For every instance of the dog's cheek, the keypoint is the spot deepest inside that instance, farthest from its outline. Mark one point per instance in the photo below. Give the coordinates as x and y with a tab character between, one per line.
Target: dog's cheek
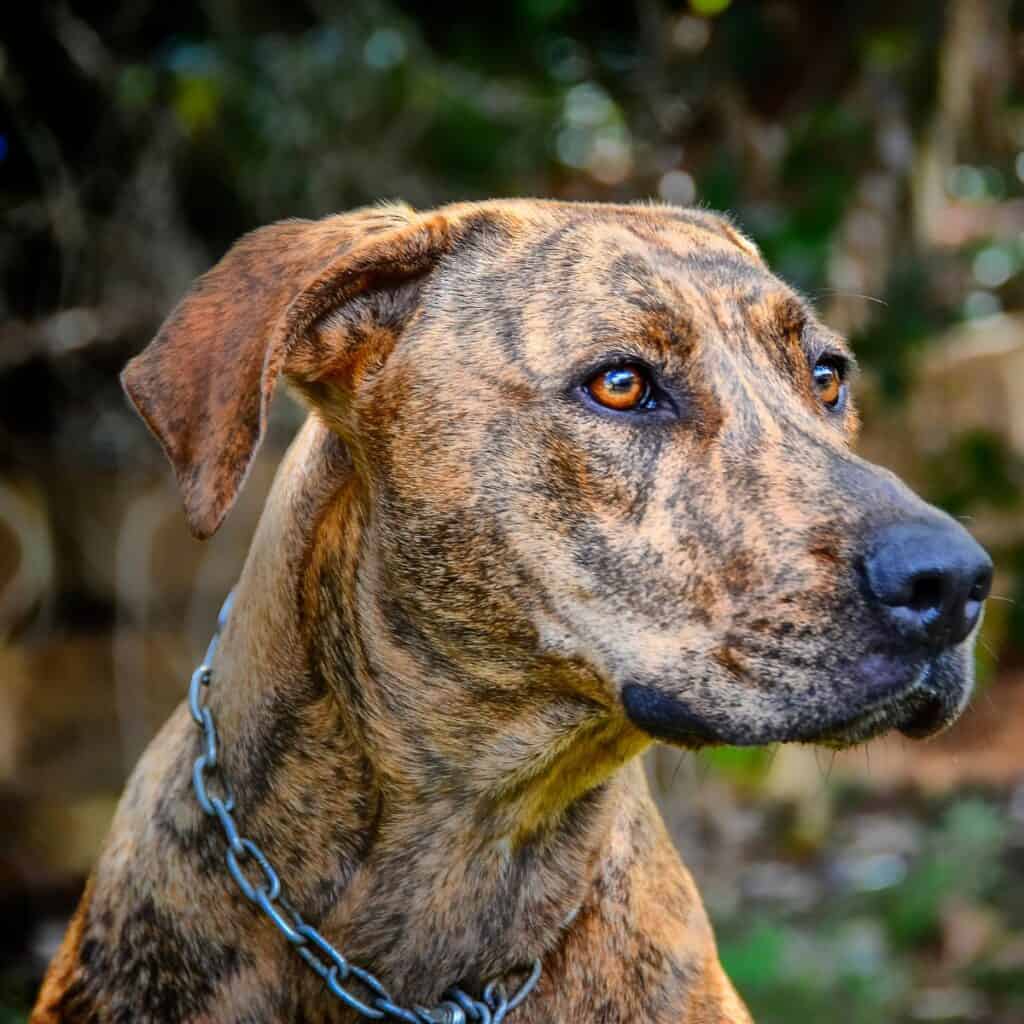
454	589
606	596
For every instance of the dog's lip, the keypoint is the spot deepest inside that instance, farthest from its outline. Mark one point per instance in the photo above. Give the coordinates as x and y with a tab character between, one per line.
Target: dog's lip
932	709
917	710
665	717
917	699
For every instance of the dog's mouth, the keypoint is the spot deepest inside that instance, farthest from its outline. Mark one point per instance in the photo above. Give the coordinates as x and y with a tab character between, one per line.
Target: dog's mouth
915	699
923	708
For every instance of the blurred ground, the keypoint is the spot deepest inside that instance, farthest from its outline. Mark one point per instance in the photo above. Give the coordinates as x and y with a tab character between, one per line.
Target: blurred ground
874	150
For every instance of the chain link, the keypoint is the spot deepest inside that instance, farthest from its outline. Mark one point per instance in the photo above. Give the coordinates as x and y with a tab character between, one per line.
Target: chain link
260	884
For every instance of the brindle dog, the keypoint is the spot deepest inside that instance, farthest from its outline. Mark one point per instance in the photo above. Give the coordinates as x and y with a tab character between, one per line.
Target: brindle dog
576	477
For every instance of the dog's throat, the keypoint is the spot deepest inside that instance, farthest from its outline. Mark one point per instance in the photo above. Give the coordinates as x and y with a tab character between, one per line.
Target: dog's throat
568	781
257	878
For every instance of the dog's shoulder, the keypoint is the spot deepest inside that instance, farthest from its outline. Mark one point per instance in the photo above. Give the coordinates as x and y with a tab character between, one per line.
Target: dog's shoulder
63	996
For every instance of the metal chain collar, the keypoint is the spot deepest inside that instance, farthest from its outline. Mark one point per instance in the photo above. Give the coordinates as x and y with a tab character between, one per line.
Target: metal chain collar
333	968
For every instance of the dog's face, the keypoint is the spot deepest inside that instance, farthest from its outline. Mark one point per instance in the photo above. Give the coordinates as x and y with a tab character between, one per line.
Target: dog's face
616	440
607	451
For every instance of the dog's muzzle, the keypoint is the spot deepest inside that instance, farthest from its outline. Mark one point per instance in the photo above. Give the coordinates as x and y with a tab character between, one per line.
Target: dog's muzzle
924	581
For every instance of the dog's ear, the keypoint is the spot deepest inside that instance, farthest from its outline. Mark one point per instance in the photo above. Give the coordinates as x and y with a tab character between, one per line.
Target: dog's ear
205	382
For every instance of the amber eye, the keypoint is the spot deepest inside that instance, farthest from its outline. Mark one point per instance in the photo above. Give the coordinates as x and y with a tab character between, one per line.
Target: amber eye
622	388
828	382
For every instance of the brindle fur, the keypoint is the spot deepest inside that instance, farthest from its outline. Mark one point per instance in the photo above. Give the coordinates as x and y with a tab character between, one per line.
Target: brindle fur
460	572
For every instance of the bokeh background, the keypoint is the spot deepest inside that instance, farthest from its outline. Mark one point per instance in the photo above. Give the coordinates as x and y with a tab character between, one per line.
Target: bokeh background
875	150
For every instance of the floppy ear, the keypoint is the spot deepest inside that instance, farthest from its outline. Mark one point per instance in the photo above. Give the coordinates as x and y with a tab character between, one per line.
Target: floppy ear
204	384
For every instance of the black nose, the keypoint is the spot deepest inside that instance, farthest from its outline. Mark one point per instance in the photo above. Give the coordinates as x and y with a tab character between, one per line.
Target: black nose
930	578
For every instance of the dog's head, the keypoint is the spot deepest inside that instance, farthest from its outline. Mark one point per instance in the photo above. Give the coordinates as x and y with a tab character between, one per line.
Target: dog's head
603	446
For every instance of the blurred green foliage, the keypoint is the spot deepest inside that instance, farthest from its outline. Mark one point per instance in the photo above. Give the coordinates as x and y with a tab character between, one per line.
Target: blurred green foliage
868	952
979	469
745	767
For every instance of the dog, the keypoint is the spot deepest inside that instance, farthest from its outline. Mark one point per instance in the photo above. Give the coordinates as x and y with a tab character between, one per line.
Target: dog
576	477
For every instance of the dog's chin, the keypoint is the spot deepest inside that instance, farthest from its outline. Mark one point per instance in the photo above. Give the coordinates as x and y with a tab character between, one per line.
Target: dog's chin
929	703
918	711
915	698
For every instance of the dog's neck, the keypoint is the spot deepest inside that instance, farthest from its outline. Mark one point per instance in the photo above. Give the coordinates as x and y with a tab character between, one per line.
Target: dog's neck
441	825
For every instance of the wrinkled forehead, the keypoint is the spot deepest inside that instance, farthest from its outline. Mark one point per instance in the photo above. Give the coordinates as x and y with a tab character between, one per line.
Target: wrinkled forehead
575	284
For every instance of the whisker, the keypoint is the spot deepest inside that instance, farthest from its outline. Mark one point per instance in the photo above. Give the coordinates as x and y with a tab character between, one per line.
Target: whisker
679	764
703	767
831	765
851	295
989	649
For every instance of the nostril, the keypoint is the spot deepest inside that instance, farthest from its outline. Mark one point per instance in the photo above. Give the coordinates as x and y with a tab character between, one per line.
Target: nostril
927	592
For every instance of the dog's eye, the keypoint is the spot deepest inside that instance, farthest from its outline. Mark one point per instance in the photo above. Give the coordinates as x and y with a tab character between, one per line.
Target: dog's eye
622	388
828	382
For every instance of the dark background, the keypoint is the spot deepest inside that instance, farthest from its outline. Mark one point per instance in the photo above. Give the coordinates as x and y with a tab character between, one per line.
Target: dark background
876	153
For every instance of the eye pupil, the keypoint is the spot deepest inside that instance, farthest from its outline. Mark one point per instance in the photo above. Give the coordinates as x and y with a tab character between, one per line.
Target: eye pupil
622	388
828	382
620	382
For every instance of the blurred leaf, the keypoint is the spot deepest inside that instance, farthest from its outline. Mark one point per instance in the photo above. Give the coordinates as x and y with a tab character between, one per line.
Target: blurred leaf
744	766
962	861
887	50
136	88
755	960
548	10
913	911
197	102
709	8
